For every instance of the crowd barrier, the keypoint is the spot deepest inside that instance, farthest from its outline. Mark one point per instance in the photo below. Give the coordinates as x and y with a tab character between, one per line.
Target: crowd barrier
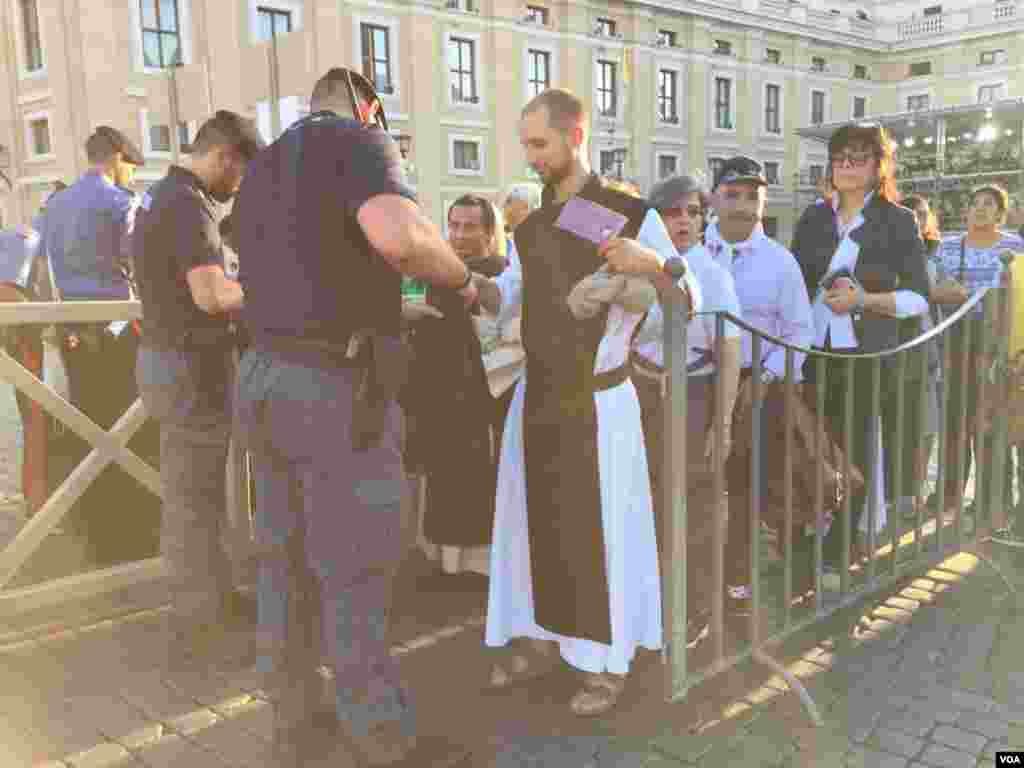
904	547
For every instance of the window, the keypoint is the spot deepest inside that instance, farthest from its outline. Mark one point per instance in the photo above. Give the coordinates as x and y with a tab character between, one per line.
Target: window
667	108
771	172
161	35
990	93
605	28
918	102
462	68
723	48
773	56
920	68
537	14
933	10
465	155
39	136
818	64
860	107
666	38
273	22
33	47
607	91
860	72
816	173
377	56
723	103
991	58
185	138
817	107
539	71
714	167
771	226
160	138
608	162
668	165
772	123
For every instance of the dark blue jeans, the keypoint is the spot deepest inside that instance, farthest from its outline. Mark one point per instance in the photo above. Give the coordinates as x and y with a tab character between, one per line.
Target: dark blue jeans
329	528
195	429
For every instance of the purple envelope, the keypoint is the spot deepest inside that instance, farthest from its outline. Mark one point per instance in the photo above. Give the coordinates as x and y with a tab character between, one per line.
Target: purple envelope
590	221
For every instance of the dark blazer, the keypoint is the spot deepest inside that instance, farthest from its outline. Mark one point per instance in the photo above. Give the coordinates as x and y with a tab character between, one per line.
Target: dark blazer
892	257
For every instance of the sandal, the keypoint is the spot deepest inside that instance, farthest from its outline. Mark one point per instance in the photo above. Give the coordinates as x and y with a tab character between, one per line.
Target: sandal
528	664
600	693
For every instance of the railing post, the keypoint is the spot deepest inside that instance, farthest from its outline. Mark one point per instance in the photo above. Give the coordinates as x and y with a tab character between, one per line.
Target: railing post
875	459
757	396
676	309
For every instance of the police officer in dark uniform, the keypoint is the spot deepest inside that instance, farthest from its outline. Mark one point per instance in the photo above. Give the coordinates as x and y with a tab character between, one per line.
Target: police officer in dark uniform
86	232
185	367
326	227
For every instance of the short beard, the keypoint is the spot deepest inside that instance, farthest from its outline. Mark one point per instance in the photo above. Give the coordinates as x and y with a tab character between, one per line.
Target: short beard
736	231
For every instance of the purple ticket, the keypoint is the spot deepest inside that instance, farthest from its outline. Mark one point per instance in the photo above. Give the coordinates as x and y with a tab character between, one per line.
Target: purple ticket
590	221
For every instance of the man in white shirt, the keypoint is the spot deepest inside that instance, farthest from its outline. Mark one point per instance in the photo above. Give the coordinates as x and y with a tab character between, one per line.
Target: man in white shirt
773	297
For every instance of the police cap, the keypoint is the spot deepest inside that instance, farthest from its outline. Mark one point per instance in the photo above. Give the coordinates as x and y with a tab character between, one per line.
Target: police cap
232	129
105	142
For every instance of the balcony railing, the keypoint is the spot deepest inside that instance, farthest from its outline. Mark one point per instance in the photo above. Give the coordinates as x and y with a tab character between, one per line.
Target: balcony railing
928	25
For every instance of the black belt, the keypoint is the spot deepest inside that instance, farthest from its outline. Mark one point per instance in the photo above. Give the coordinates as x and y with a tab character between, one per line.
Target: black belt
315	353
206	337
611	379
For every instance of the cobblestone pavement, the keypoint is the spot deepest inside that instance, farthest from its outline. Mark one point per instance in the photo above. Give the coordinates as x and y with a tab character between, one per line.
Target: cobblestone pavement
929	674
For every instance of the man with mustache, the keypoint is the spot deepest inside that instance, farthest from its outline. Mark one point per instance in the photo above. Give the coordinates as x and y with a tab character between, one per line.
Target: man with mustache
773	297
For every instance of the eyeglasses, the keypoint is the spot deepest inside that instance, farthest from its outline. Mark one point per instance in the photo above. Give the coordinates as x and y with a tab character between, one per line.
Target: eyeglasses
853	159
693	211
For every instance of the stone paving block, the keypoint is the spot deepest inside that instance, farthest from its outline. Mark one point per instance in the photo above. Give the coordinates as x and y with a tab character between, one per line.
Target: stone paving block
257	718
106	755
205	688
175	752
915	723
959	739
972	701
943	757
872	759
897	742
234	745
989	753
149	695
109	716
193	722
938	710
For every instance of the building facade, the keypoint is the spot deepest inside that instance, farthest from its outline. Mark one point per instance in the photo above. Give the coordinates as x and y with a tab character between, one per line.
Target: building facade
672	86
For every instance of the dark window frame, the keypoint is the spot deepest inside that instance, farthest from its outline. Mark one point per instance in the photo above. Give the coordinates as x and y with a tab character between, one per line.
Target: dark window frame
817	107
770	225
818	64
607	88
723	48
860	72
31	37
470	161
275	15
668	103
160	33
667	38
674	163
919	102
47	144
371	58
723	104
815	173
534	82
460	73
920	68
772	112
164	143
773	178
864	103
606	27
773	55
612	166
714	166
990	58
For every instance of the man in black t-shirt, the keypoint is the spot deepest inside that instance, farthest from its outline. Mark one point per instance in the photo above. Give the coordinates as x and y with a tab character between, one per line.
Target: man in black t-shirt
326	227
184	366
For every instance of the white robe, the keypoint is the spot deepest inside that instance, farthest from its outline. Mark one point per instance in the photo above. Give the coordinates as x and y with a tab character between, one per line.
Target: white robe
631	553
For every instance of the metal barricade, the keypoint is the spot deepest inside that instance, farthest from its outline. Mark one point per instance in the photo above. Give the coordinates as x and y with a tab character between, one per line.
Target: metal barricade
108	447
907	546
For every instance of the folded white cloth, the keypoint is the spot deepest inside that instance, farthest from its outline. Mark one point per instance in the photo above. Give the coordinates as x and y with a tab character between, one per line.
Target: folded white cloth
634	294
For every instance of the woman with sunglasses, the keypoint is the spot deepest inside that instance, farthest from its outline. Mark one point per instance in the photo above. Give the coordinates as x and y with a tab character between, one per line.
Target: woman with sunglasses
681	203
864	263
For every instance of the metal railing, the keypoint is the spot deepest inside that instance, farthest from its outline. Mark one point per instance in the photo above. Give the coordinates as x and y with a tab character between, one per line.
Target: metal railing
907	546
108	447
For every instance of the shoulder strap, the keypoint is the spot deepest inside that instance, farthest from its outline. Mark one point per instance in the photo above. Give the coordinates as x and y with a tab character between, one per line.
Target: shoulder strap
963	257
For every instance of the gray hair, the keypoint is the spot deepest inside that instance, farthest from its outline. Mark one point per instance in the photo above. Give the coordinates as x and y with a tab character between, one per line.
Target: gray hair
667	191
526	192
